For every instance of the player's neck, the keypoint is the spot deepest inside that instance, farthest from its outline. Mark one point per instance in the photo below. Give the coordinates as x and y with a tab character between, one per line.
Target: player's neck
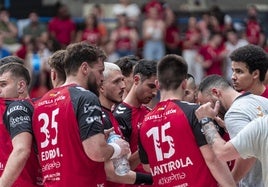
132	100
170	95
24	96
75	80
105	102
257	88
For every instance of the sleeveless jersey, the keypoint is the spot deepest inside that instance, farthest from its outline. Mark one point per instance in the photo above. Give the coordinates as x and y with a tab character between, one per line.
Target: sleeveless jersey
92	36
123	41
65	117
170	139
253	31
16	119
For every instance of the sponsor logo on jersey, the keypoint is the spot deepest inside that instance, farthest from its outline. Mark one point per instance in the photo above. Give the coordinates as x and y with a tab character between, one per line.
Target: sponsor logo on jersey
17	108
161	108
171	166
51	165
91	119
120	110
51	154
90	108
19	120
55	94
173	177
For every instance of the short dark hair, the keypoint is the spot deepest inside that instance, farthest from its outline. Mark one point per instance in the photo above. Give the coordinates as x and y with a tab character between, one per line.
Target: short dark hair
213	81
254	57
171	71
9	59
127	64
77	53
17	70
145	68
56	61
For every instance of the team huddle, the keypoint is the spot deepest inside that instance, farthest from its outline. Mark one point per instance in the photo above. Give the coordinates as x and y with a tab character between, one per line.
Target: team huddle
173	133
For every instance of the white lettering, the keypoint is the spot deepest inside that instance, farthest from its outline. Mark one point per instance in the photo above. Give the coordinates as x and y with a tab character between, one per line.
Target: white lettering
51	165
61	97
158	116
15	108
45	102
171	166
52	177
91	119
51	154
19	120
171	111
88	107
173	177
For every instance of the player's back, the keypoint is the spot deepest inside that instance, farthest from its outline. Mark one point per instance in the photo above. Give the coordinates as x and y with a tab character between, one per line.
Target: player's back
59	118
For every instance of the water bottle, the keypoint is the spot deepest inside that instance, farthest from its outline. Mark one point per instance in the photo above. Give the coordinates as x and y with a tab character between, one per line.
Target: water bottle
121	164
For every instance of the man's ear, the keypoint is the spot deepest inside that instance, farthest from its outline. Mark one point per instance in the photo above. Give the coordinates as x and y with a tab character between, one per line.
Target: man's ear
256	74
101	89
216	92
22	87
84	68
136	79
184	84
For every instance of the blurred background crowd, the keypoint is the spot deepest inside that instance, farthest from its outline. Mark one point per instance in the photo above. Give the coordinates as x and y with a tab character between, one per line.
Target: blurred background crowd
203	35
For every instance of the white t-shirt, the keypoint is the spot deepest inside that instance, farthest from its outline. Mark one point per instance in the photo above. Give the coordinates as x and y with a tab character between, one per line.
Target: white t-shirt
243	110
132	10
252	141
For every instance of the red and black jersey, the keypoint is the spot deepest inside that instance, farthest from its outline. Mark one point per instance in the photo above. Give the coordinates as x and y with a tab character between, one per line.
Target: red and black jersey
109	121
170	137
16	119
65	117
130	119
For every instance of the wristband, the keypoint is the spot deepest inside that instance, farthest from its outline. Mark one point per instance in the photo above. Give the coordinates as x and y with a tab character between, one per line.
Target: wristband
143	178
117	150
205	120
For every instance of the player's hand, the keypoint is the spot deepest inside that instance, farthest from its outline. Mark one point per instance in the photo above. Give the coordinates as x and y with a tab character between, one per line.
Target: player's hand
220	122
107	132
124	145
206	110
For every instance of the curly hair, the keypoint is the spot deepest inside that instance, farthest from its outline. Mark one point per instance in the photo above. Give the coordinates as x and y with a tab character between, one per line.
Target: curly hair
254	57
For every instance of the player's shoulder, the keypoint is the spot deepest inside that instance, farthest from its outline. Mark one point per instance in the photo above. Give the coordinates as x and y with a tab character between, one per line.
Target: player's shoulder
186	105
24	106
81	92
122	109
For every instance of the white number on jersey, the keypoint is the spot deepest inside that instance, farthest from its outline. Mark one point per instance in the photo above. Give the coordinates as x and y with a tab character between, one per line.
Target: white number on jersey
155	132
44	129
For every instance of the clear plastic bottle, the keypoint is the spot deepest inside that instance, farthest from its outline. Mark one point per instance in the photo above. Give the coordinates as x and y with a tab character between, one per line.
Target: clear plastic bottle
121	164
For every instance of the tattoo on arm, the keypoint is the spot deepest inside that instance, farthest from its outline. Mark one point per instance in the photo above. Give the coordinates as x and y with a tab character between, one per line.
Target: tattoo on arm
210	133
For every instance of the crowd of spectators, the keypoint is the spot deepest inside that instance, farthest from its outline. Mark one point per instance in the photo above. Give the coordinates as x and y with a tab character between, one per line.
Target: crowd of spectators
149	32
